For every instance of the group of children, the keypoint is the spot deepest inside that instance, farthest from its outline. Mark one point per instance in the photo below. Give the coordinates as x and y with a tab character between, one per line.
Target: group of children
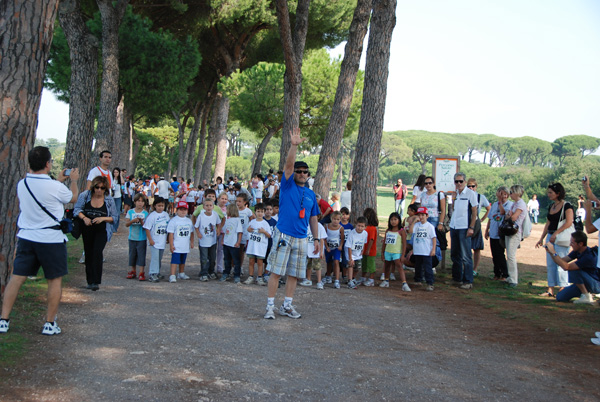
227	231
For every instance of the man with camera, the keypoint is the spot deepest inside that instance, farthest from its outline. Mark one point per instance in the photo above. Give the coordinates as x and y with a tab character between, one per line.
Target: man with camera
41	241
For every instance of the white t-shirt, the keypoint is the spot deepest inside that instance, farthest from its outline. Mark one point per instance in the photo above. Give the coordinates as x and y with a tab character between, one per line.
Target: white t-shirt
310	246
98	171
245	219
163	188
182	229
417	193
356	243
207	225
116	189
157	225
258	242
260	186
232	227
334	237
483	202
191	196
423	233
52	195
346	200
463	203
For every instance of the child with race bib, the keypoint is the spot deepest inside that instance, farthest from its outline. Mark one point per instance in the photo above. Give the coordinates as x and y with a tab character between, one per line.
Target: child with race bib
208	228
156	232
391	251
334	245
232	238
180	232
134	220
260	232
354	249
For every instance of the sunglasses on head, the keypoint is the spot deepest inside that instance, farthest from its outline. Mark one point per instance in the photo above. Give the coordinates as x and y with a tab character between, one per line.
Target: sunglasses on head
458	181
300	171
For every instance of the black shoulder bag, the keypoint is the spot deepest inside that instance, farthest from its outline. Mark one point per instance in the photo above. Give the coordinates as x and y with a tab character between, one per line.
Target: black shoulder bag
65	225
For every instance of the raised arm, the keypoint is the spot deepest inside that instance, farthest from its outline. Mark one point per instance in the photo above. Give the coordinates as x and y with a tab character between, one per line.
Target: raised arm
291	156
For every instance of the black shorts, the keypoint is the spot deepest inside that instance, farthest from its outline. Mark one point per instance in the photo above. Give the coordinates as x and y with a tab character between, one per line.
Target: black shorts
127	200
52	257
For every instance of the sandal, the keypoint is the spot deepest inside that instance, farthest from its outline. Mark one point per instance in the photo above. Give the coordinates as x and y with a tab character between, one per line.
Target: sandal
547	294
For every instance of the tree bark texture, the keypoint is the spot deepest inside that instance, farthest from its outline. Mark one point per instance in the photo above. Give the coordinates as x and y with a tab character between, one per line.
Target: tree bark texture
180	137
83	52
343	97
135	150
260	152
202	142
368	145
212	137
221	135
121	149
111	15
293	51
26	29
190	147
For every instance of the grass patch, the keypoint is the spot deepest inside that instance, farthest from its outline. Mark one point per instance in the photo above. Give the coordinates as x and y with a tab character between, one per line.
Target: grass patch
29	310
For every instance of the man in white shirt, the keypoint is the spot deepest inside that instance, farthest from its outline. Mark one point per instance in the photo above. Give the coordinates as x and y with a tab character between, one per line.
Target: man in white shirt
40	240
462	226
164	188
101	169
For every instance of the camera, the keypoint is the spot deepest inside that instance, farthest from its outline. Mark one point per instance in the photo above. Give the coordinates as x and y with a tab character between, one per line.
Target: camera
67	172
584	178
594	204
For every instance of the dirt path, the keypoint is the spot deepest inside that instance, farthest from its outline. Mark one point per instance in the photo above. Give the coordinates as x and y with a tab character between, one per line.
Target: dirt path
208	341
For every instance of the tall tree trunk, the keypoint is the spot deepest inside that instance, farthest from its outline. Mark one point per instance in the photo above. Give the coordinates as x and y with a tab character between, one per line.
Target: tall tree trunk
180	137
260	152
340	172
111	13
202	143
169	156
26	29
368	145
121	150
343	96
212	138
221	135
190	148
135	150
83	51
293	51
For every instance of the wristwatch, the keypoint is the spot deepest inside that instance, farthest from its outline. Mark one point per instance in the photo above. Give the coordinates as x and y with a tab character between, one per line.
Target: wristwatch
555	254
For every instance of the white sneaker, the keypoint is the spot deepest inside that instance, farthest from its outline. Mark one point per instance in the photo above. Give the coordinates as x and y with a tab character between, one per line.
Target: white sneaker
384	284
336	285
360	281
172	279
429	288
382	277
328	279
82	259
320	285
405	287
182	275
585	298
306	282
597	334
4	326
249	281
289	311
596	341
392	277
260	281
270	313
51	328
370	282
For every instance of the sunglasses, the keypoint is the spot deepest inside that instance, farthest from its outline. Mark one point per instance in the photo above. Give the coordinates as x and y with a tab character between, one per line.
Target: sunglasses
428	182
471	186
458	181
301	171
100	188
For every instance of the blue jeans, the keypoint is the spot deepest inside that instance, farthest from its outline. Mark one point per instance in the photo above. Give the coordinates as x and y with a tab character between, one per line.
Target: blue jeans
118	206
155	259
556	275
231	255
208	257
461	254
400	207
423	264
578	277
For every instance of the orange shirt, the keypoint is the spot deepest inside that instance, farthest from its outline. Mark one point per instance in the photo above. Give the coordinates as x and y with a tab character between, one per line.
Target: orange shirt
372	236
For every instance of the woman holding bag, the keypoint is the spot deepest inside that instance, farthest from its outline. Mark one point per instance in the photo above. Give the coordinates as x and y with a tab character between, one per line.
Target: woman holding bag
517	214
559	219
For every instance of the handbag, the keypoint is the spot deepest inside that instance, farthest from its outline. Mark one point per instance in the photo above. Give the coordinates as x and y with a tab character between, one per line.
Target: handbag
65	225
563	238
508	227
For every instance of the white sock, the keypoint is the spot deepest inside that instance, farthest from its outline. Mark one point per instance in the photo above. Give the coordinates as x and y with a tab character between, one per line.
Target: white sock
270	301
287	301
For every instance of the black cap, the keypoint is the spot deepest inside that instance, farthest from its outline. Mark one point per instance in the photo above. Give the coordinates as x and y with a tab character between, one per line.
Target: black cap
300	164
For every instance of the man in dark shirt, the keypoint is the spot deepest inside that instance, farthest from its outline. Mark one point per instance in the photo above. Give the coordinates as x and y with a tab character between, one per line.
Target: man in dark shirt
581	264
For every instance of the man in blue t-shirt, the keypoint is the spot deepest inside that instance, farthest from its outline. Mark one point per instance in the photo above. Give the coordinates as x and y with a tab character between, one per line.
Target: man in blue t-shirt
298	209
581	263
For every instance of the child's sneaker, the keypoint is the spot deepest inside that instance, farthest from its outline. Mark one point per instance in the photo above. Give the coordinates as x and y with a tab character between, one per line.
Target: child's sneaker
382	277
384	284
51	328
153	278
182	275
392	277
328	279
319	285
336	285
290	311
224	278
213	276
142	277
351	284
270	313
429	288
360	281
172	279
249	281
370	282
131	275
4	324
203	278
260	281
236	279
306	282
405	287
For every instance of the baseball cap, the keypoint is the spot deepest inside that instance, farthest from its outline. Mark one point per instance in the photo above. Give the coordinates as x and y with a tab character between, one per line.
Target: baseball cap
422	210
182	204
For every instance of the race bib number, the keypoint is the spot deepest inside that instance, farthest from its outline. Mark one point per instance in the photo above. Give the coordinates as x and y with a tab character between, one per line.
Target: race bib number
357	247
390	239
333	245
255	237
421	234
161	230
183	231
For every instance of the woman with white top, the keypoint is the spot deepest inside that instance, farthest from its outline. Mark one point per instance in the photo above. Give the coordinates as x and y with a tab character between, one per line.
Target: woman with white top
517	214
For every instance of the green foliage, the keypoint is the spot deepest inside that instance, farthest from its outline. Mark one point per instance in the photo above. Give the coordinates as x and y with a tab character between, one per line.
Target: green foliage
573	145
57	150
152	157
238	166
58	71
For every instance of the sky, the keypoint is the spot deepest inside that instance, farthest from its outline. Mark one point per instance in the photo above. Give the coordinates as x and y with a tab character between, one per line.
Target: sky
506	67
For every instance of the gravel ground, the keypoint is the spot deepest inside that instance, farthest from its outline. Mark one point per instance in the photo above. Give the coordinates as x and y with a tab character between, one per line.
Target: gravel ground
208	341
